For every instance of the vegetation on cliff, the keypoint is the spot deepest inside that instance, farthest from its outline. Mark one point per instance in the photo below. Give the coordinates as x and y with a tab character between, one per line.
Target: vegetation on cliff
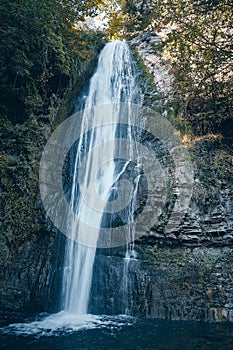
197	41
41	52
43	59
44	54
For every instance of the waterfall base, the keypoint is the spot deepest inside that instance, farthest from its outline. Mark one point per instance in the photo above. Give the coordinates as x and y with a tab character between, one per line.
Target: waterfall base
166	283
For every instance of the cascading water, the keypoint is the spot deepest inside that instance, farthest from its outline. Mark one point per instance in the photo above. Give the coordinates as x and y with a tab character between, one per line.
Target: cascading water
113	82
97	179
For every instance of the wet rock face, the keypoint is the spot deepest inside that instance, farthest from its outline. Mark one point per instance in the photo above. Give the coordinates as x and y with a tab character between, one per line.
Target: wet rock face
186	274
209	218
168	283
31	282
31	251
183	275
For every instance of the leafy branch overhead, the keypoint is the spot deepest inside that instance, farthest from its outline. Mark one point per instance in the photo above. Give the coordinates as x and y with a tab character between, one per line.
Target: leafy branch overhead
40	49
198	43
197	38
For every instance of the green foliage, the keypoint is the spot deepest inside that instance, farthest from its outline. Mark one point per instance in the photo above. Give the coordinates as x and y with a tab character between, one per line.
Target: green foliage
213	159
127	18
43	58
198	44
39	51
19	161
197	38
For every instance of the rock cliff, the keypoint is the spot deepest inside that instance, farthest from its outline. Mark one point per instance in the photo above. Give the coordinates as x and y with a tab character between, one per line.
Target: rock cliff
185	274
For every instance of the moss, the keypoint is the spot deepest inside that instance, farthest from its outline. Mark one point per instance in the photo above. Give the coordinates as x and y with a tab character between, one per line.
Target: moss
146	81
213	170
23	217
165	256
201	277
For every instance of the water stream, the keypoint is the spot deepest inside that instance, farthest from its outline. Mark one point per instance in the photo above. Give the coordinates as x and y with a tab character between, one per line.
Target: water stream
113	82
73	328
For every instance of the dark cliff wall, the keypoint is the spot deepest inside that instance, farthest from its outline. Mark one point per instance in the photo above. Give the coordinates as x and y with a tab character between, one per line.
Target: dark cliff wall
169	283
31	250
186	274
183	275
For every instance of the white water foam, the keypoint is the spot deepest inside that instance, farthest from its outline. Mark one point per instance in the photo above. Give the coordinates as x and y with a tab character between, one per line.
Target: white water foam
65	322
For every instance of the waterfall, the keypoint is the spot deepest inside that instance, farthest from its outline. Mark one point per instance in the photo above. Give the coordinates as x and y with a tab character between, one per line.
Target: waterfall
113	82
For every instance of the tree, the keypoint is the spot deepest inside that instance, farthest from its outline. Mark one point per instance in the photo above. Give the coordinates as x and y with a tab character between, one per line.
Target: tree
40	48
198	43
128	17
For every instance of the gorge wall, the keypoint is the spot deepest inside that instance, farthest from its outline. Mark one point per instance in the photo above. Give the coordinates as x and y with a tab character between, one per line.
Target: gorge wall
31	249
183	275
186	274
